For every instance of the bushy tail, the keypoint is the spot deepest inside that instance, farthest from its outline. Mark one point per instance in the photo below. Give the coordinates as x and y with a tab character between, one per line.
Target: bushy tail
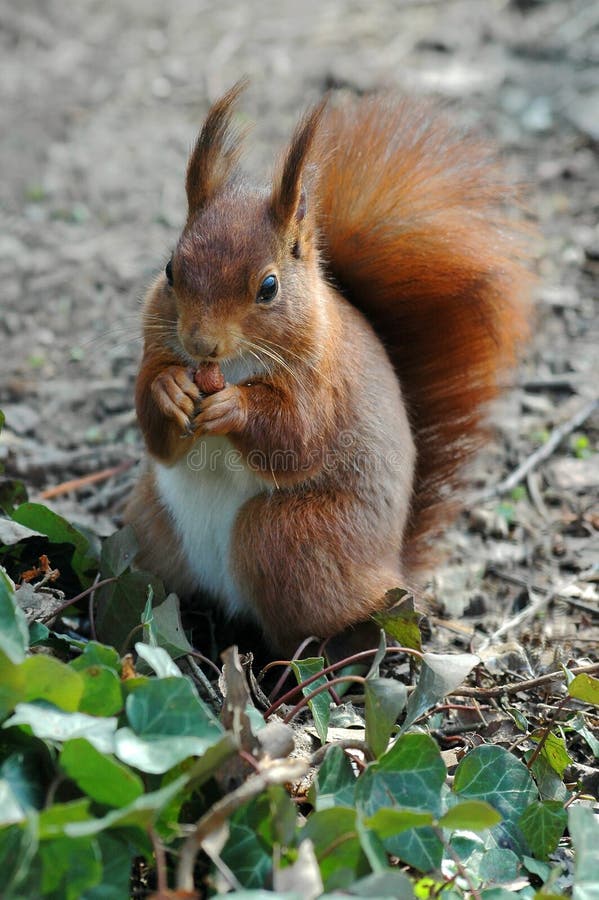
415	234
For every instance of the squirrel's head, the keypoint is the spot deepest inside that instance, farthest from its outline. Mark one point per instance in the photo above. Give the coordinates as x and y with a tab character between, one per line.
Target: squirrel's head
244	275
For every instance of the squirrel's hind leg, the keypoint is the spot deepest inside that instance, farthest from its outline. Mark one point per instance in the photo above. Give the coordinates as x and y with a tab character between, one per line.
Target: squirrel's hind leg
311	565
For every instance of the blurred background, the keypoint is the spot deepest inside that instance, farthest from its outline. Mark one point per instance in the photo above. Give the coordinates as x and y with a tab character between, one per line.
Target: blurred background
101	102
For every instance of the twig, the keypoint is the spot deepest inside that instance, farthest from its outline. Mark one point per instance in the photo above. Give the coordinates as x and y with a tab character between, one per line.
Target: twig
279	772
130	637
534	492
542	453
207	662
526	685
273	694
161	867
546	732
551	382
89	590
342	679
204	681
460	868
54	460
557	594
90	606
109	495
341	663
528	612
581	605
532	609
67	487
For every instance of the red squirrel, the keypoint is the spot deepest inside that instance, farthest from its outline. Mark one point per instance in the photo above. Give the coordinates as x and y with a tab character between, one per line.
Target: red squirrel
352	320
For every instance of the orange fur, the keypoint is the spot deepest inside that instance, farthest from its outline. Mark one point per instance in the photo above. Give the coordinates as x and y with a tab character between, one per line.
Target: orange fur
376	387
414	233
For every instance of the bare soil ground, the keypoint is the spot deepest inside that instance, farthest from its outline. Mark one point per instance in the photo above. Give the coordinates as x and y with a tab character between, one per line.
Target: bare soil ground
101	102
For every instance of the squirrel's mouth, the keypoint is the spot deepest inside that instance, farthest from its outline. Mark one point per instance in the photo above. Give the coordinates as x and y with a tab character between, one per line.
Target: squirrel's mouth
240	368
206	349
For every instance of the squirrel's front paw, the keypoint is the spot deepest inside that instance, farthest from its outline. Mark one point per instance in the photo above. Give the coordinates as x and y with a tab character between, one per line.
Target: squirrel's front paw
222	413
176	395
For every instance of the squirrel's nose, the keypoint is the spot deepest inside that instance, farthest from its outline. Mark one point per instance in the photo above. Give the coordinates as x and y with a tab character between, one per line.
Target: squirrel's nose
202	345
206	347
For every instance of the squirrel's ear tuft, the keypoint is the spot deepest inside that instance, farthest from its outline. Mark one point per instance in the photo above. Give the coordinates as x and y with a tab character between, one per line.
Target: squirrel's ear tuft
216	151
288	198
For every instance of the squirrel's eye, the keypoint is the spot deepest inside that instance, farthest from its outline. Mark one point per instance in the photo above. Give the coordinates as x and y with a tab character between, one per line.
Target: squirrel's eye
168	271
268	289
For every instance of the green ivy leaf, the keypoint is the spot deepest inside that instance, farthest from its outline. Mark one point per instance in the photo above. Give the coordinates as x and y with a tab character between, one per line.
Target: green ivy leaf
320	705
440	674
586	688
12	534
118	552
389	883
384	700
340	856
38	634
49	723
12	810
170	706
543	824
372	845
498	865
584	830
159	660
102	691
470	815
549	783
494	775
117	856
48	679
169	628
96	654
54	819
388	822
59	531
99	776
466	844
21	773
120	606
282	815
518	717
541	869
554	751
19	861
168	722
70	866
375	666
579	725
141	814
12	685
14	634
248	851
156	755
400	621
335	782
410	775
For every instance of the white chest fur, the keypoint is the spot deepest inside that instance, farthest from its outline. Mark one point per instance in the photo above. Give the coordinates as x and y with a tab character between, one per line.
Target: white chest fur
203	493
